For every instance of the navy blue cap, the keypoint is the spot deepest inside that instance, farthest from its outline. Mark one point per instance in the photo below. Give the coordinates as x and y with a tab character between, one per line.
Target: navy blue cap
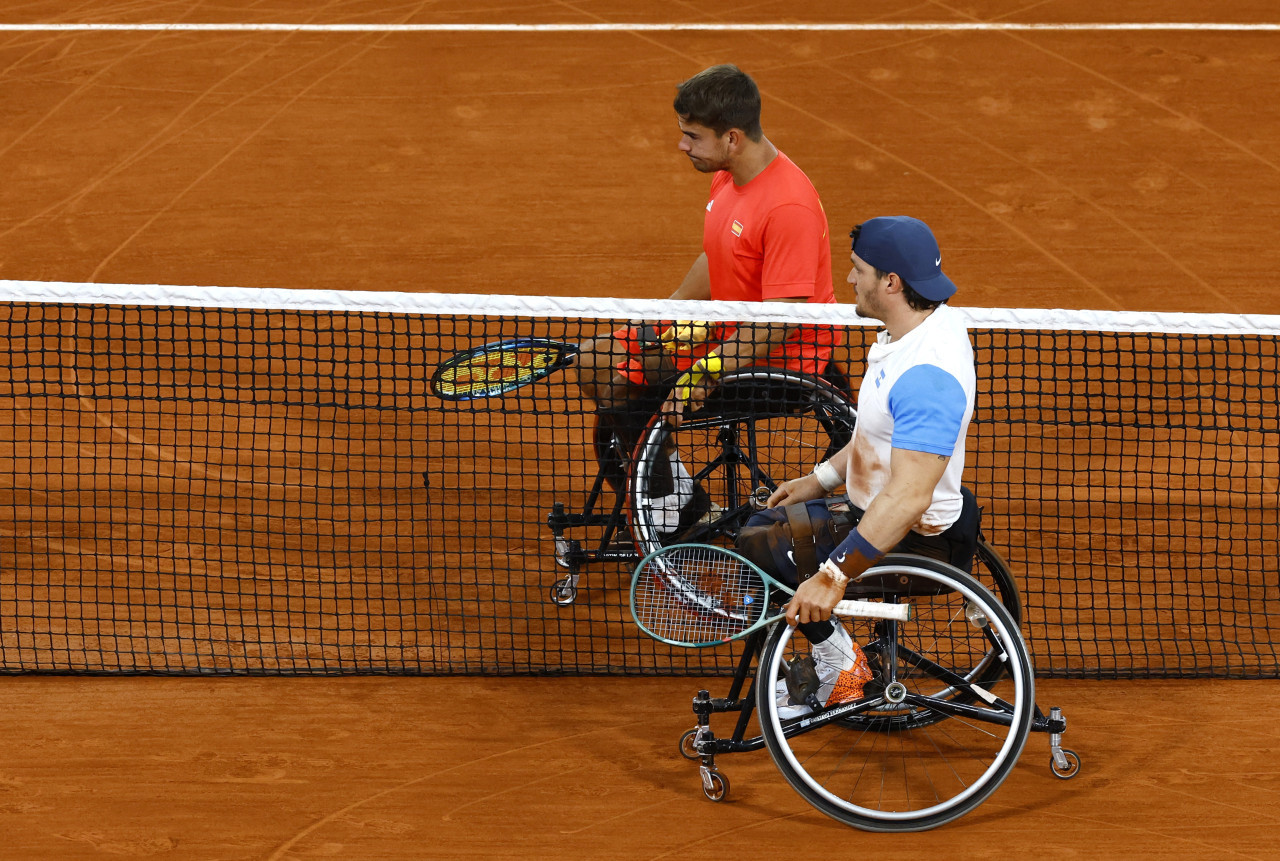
905	245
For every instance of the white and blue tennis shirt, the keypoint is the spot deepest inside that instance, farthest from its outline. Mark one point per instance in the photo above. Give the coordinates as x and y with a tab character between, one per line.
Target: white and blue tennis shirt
917	394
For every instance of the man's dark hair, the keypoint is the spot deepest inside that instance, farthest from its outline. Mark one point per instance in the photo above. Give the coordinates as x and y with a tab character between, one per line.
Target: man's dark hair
721	98
915	300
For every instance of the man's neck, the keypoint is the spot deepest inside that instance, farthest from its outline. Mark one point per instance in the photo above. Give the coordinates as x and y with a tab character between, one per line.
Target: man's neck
906	322
754	158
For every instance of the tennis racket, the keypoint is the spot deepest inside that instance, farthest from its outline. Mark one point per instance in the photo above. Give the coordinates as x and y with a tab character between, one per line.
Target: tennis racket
497	368
698	595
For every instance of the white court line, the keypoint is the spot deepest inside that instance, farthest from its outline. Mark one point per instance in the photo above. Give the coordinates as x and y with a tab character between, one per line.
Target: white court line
955	26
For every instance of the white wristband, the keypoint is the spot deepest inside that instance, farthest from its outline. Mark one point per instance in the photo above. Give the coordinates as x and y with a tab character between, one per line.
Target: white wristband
839	579
827	475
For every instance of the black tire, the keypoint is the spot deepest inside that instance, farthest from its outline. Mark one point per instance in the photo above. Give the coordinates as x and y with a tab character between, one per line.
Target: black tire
879	765
994	573
688	744
717	787
1072	767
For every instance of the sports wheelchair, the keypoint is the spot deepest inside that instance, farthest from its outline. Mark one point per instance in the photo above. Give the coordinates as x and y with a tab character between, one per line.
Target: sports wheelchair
951	702
937	729
753	430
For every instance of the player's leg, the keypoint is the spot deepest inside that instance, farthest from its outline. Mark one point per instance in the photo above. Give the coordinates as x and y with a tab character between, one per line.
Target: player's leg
788	543
617	374
842	666
629	376
753	429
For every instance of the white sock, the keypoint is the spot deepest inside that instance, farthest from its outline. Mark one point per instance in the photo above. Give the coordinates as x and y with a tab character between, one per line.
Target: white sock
666	509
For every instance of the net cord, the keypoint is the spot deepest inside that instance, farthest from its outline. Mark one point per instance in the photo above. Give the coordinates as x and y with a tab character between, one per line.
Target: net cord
484	305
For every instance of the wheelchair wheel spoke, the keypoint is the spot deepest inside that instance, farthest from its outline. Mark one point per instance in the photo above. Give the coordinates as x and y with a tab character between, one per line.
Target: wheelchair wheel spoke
927	743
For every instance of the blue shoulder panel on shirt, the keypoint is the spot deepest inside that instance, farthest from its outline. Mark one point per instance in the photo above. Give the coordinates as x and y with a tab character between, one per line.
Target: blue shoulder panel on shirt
927	405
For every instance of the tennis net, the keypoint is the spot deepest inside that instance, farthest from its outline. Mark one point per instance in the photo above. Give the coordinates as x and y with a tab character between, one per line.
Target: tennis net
227	481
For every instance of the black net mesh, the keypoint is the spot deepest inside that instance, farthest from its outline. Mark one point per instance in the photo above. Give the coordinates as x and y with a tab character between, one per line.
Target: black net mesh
252	490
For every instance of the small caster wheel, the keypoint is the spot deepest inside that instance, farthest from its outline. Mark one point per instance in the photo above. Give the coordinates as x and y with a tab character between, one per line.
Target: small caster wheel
563	593
715	786
688	744
1068	770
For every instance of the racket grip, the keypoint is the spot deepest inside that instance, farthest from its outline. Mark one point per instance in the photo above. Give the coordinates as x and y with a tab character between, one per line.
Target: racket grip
873	610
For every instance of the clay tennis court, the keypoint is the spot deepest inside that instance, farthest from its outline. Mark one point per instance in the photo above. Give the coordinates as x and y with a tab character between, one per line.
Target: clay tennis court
1118	170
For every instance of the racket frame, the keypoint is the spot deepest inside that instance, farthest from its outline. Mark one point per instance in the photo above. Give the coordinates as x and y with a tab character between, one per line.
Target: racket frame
852	608
562	354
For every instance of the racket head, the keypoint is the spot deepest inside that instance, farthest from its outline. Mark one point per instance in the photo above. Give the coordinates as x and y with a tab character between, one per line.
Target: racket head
499	367
698	595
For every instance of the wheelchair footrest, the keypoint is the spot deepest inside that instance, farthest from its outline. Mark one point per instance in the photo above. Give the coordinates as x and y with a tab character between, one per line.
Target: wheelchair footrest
560	520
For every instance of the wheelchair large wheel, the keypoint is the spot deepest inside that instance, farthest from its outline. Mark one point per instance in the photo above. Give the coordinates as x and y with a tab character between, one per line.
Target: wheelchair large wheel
993	572
752	432
990	570
924	744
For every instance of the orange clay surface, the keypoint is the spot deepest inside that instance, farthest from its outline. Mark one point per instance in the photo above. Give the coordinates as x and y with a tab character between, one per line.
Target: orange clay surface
1129	170
445	768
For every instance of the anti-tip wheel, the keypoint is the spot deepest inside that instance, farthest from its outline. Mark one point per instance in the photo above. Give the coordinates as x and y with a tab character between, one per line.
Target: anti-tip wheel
688	746
1072	767
715	786
563	593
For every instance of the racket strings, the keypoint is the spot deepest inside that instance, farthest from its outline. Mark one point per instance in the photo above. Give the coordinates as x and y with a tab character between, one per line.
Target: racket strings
498	370
695	596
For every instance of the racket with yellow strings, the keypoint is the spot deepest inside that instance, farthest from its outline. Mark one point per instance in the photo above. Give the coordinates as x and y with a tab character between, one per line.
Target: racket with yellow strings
500	367
503	366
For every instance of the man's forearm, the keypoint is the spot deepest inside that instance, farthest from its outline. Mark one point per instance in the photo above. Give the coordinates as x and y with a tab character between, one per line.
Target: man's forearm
697	281
895	509
752	342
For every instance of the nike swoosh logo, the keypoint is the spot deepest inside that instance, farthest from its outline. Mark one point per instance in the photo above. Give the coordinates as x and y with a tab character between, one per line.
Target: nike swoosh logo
938	262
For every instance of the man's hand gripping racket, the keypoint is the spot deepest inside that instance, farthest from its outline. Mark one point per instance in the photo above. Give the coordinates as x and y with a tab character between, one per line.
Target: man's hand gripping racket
502	366
697	595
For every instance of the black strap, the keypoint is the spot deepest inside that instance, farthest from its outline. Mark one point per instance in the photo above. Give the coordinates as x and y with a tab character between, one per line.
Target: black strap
803	543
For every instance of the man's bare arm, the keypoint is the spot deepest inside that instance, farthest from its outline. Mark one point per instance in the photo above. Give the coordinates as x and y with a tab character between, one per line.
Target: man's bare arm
898	507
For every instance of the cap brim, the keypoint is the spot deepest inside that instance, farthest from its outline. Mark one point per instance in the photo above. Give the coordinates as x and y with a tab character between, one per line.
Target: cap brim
935	289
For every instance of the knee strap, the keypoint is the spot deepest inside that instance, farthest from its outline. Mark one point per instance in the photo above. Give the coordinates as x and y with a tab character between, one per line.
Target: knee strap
785	541
803	543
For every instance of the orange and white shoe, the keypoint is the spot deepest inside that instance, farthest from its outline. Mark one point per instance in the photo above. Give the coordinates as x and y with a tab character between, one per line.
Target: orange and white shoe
842	672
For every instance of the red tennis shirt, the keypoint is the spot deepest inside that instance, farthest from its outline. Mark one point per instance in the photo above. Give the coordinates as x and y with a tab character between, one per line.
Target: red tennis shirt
768	239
